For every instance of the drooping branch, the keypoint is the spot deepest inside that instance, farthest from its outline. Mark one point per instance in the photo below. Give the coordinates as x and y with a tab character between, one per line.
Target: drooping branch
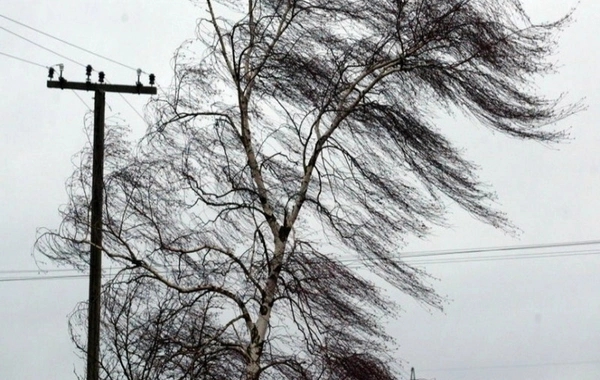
298	142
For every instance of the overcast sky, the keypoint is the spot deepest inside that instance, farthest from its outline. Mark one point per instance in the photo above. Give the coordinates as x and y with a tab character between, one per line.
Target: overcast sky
536	318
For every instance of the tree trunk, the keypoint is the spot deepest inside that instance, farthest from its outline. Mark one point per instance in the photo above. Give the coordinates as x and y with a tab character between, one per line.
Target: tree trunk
253	368
259	329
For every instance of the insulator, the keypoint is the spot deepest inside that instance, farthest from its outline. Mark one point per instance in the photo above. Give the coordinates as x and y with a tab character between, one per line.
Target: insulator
51	72
88	70
152	79
101	77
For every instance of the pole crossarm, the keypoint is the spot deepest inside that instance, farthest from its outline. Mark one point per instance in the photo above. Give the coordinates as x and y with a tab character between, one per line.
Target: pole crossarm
88	86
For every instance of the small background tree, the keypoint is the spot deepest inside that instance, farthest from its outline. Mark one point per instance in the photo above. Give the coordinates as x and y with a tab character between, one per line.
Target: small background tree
297	134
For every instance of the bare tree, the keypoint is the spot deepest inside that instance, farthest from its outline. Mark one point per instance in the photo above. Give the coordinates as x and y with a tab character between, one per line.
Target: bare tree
298	135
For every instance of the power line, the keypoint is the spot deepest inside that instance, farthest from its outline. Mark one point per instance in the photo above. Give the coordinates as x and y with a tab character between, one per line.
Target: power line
500	248
358	263
511	257
75	46
425	254
33	278
82	101
67	58
23	60
42	47
133	108
532	365
69	43
45	67
18	271
108	272
467	251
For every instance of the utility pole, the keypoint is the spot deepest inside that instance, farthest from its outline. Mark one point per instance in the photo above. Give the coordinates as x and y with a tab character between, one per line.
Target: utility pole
95	283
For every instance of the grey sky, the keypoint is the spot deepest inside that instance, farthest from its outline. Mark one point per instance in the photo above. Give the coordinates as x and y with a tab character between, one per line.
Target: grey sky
530	319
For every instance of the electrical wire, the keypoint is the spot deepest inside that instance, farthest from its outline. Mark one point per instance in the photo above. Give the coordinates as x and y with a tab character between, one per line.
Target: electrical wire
407	256
69	59
500	248
132	107
69	43
42	47
531	365
79	276
358	263
45	67
426	254
19	271
39	278
505	257
77	47
65	57
23	60
82	101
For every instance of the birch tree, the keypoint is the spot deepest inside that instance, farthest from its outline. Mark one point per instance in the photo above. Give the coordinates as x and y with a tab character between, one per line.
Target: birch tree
297	141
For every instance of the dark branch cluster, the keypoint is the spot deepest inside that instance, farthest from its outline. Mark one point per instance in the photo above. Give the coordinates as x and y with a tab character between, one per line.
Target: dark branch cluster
153	333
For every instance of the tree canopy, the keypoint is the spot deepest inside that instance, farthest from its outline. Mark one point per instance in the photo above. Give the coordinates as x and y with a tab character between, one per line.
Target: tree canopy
298	135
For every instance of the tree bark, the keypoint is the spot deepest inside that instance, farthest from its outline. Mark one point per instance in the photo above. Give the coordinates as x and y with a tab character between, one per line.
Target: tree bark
260	328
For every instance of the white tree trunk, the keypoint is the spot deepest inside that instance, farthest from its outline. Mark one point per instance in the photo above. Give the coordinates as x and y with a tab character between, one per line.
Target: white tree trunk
260	327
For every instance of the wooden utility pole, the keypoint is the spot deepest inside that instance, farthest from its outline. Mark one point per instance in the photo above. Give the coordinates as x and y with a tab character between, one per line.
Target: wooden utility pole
95	284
